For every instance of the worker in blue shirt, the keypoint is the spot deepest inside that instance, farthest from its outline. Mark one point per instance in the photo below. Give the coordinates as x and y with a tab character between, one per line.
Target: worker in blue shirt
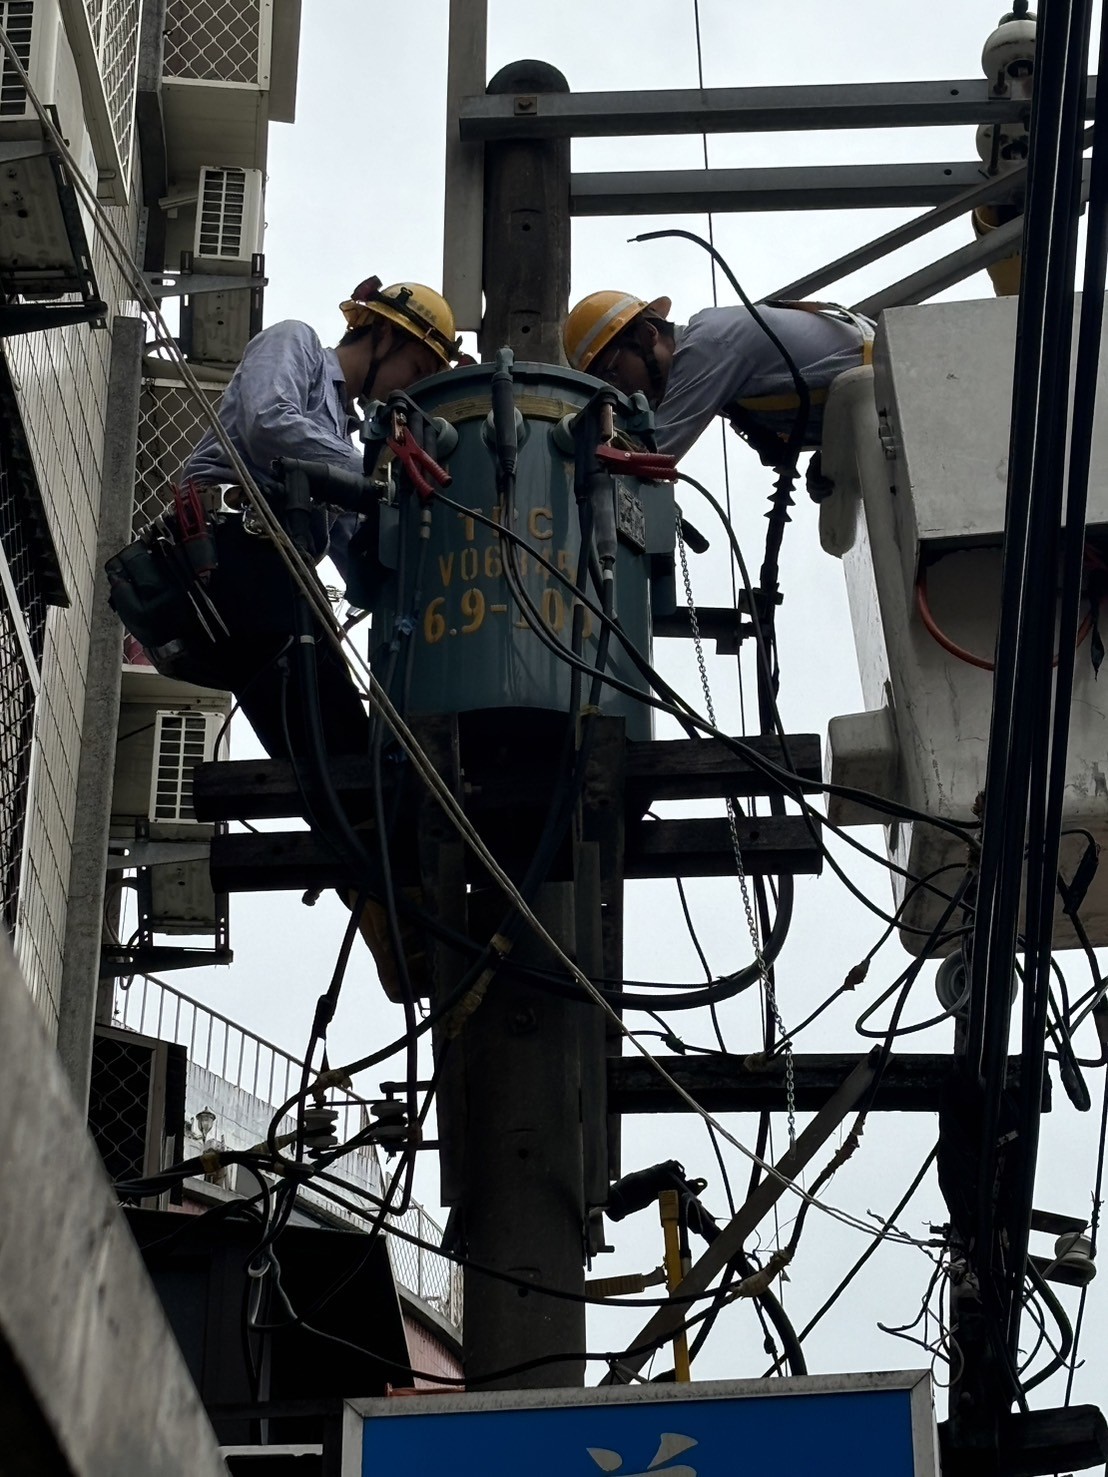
721	363
292	397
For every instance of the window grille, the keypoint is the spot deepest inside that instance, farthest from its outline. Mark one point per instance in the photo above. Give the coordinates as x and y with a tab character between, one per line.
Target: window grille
136	1103
115	29
15	17
170	426
216	41
29	581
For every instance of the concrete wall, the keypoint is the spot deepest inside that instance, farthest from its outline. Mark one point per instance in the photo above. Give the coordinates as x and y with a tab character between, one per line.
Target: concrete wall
92	1383
61	380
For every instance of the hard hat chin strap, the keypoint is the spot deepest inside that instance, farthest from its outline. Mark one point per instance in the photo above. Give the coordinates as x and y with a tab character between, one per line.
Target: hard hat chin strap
378	361
654	373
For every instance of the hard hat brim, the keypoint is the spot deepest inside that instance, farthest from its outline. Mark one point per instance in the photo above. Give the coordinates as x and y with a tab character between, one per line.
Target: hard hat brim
358	314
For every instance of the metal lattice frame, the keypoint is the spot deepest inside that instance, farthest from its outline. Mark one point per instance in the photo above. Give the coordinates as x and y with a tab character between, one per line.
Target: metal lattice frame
122	1080
17	718
216	41
170	425
114	27
27	584
15	17
118	56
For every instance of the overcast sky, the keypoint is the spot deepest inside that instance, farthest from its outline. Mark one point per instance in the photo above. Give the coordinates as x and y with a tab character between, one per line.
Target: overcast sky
355	187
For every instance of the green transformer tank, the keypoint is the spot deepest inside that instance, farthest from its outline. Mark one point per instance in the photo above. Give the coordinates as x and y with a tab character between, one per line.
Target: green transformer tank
450	632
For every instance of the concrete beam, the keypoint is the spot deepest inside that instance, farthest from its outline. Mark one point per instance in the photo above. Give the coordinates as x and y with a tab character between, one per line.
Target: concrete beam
84	919
93	1383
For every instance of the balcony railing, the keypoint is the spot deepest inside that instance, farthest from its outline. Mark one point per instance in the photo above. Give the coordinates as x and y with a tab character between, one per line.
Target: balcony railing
241	1058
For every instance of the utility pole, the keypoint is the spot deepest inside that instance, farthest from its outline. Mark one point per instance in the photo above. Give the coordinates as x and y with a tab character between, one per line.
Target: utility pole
522	1201
527	227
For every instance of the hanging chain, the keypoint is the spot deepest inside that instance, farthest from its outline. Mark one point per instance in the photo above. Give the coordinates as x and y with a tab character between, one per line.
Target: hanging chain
732	825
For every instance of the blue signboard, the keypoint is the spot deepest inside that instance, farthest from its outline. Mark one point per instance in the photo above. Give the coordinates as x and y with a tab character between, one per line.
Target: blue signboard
870	1425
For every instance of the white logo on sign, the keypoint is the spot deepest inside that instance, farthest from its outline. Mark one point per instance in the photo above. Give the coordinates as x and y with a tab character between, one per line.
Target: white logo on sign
669	1446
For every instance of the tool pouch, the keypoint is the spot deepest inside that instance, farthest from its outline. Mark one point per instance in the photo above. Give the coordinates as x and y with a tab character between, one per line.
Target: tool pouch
151	583
148	594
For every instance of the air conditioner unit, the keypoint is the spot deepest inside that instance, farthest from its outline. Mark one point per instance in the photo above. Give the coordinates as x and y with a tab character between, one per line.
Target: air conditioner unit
145	695
44	250
35	30
229	220
177	897
166	728
136	1109
183	739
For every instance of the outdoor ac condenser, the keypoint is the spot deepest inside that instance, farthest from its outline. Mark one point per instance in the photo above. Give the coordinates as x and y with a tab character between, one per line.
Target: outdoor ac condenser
183	739
229	220
180	898
42	255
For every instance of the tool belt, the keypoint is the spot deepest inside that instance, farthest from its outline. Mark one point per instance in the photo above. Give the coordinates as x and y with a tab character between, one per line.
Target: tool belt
766	422
159	587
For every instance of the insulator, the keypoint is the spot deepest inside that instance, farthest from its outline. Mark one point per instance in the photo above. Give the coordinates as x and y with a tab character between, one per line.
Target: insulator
950	983
319	1127
1008	58
391	1133
1011	151
1075	1252
389	1110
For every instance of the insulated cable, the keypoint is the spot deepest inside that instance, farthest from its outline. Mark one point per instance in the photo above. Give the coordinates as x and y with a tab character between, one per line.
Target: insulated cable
302	575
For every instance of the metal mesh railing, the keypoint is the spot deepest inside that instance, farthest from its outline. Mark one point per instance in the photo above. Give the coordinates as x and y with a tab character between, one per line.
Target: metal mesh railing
246	1060
23	607
430	1276
15	17
170	425
118	54
216	1043
24	584
214	41
119	1105
17	720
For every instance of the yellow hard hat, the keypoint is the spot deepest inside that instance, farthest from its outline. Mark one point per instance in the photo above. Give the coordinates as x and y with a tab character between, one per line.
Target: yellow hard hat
418	310
599	318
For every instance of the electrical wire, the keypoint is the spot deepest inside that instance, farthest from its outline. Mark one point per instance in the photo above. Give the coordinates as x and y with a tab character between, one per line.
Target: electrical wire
302	575
719	1037
879	1239
935	631
675	706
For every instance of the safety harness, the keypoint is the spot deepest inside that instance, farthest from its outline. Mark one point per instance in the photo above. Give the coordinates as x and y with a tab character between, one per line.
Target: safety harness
766	422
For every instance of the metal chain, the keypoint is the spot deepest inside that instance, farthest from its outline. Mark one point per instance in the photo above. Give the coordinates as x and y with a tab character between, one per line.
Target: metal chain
740	870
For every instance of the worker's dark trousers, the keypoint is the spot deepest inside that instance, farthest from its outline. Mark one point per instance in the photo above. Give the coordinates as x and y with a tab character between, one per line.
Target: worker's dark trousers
258	661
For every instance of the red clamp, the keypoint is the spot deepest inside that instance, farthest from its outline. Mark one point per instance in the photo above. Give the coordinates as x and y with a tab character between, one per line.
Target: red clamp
417	463
193	532
651	466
